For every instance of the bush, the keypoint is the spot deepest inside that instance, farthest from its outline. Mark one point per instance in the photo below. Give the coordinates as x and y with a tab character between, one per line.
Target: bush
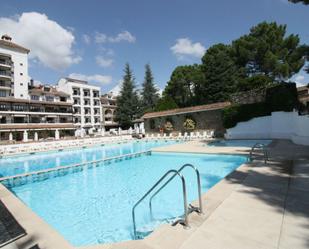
280	97
241	113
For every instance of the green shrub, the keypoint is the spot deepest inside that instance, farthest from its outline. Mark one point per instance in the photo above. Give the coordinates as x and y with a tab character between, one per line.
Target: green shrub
241	113
280	97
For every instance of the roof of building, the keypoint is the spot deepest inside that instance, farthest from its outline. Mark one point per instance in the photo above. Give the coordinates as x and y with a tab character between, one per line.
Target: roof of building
9	44
199	108
47	90
302	88
76	80
27	101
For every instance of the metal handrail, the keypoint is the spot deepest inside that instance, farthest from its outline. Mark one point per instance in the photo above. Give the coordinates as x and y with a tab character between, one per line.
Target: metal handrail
184	192
259	146
198	179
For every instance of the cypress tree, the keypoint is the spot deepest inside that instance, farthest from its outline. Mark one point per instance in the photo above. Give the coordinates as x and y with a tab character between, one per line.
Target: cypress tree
127	101
149	92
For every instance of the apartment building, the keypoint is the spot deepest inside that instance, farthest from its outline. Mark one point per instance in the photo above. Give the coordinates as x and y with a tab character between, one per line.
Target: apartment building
28	111
87	113
14	78
109	105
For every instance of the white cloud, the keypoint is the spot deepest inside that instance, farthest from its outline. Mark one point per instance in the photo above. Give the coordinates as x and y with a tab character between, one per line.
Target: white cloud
49	42
122	36
100	38
97	79
185	47
104	62
86	39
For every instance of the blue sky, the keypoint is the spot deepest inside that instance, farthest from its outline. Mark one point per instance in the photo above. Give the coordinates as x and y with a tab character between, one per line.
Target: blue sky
94	39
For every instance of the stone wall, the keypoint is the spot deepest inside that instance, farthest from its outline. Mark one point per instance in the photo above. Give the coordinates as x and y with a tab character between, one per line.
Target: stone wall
207	120
249	97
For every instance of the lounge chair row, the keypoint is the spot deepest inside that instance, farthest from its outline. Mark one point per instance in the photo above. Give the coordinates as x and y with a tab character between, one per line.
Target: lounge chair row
192	135
59	145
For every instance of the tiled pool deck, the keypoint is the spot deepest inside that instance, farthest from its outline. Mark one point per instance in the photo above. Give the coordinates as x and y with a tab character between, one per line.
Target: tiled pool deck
256	206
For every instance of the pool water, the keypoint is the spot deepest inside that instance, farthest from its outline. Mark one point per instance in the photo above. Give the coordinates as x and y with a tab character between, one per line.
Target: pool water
239	142
94	206
15	165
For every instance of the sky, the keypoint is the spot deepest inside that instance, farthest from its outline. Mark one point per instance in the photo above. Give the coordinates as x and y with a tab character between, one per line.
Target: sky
92	40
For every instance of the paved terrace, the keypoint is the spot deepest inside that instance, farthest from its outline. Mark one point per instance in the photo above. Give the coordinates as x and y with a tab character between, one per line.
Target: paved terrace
257	206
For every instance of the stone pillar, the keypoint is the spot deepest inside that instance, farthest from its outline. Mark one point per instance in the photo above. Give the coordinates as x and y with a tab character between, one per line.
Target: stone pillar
36	136
103	131
25	139
57	135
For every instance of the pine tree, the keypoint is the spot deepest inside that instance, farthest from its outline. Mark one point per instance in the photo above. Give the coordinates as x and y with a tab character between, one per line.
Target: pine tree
149	92
127	101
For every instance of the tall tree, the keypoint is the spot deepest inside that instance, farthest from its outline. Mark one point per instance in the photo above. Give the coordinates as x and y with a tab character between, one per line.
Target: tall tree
300	1
266	50
221	74
127	102
149	94
182	85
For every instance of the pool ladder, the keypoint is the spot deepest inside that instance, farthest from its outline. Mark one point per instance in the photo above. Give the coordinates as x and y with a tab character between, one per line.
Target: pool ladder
259	146
187	209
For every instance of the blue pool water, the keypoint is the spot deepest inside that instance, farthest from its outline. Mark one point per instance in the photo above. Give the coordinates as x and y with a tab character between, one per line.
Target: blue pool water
28	163
94	206
239	142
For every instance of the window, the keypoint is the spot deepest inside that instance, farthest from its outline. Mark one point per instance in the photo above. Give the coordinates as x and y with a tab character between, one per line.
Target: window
21	95
3	107
49	98
2	93
21	74
21	84
21	64
18	108
35	97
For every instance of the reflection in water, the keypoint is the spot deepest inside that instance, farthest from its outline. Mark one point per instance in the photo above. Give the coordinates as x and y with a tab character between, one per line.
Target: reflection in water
29	163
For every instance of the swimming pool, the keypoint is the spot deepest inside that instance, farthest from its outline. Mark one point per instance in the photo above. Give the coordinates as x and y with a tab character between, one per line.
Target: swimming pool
239	142
15	165
94	206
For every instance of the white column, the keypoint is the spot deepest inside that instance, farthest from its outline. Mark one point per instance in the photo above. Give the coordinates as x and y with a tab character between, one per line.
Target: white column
103	131
36	136
25	139
10	136
57	135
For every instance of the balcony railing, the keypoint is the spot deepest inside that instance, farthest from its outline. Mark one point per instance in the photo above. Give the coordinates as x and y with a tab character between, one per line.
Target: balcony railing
4	73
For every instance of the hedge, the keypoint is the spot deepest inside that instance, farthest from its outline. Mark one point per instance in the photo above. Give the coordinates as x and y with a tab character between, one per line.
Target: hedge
281	97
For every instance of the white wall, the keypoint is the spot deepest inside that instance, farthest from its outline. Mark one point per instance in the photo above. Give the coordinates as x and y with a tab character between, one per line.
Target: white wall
280	125
20	60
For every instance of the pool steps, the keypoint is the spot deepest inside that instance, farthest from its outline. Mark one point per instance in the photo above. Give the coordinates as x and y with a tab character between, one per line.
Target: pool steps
41	175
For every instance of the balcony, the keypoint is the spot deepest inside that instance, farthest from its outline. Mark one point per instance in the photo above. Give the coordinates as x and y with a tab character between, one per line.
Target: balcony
5	75
5	86
5	64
